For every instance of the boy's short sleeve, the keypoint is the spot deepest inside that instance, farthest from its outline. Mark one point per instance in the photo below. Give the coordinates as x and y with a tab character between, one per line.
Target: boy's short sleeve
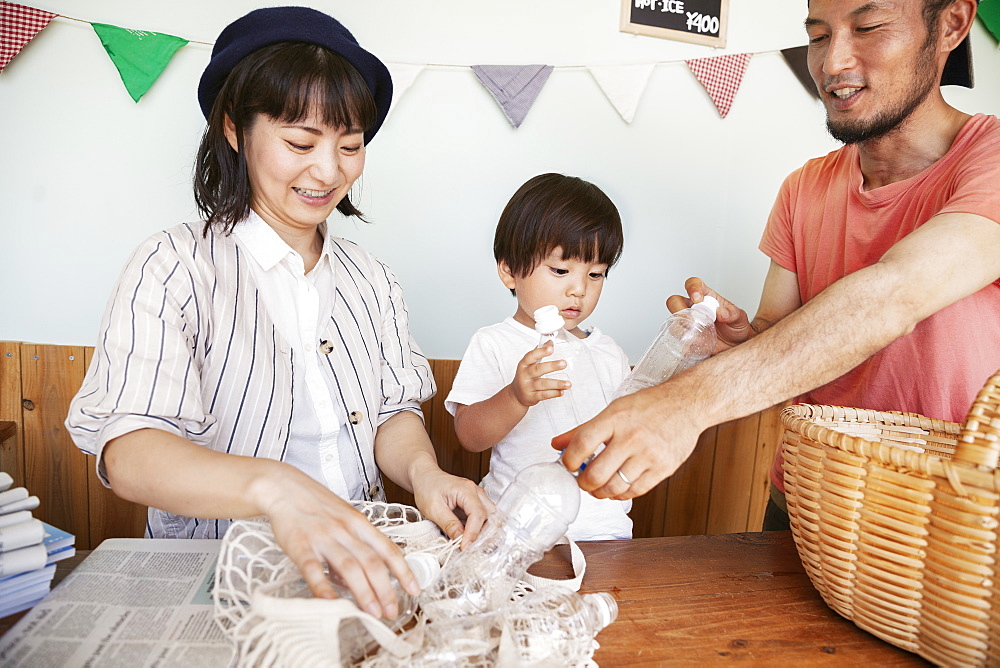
480	375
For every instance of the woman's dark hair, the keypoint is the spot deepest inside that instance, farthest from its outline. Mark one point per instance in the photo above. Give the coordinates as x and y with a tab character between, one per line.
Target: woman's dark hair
555	211
284	81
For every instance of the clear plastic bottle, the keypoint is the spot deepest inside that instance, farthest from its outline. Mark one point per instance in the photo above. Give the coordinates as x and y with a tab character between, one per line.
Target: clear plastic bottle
354	640
531	515
572	408
555	626
685	338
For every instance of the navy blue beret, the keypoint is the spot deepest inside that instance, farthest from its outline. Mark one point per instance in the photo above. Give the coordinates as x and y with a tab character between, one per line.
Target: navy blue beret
293	24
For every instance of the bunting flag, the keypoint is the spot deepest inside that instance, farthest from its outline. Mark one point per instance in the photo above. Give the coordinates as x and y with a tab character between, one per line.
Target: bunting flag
514	87
623	85
721	77
140	56
18	26
989	14
403	76
796	59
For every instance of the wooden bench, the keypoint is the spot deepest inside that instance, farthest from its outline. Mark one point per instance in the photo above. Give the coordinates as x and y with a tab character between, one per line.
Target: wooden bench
722	488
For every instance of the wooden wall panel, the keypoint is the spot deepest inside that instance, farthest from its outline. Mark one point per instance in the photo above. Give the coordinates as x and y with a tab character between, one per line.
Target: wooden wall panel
12	449
55	470
722	486
732	473
768	441
690	490
451	456
110	515
649	512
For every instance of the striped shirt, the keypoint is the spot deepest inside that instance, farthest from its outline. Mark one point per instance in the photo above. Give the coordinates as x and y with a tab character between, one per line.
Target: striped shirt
187	345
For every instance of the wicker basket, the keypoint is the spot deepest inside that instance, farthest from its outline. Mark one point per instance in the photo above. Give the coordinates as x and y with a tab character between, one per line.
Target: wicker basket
895	517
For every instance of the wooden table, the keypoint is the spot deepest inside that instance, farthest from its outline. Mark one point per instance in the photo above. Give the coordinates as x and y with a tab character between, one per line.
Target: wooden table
731	597
699	599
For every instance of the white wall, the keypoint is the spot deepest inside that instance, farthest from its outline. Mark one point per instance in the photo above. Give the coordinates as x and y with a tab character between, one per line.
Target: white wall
85	173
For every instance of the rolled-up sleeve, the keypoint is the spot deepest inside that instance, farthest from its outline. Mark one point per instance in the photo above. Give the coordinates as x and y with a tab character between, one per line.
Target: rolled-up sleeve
406	379
144	372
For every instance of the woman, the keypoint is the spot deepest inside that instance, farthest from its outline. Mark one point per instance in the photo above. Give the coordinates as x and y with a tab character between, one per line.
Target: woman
258	365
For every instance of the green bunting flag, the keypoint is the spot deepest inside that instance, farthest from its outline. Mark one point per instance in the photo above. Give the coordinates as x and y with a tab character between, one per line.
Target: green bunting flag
989	14
139	55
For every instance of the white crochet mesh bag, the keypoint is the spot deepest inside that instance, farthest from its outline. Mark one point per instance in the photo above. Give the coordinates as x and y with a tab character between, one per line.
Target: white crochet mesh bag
269	629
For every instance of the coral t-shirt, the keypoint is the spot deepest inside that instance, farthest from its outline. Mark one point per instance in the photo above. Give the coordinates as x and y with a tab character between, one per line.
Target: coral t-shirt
824	226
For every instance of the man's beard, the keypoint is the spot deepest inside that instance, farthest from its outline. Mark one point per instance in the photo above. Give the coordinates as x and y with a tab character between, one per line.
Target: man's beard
853	132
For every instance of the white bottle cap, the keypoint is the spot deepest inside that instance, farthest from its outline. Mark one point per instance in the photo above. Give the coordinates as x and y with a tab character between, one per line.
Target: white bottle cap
425	567
548	320
708	305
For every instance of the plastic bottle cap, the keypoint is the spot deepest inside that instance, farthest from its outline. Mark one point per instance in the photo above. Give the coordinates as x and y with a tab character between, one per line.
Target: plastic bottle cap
548	320
425	567
709	305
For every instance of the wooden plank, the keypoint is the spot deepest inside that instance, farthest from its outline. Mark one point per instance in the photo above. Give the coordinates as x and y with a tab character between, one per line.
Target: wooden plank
110	515
11	449
55	470
768	441
690	490
649	512
441	429
451	455
732	474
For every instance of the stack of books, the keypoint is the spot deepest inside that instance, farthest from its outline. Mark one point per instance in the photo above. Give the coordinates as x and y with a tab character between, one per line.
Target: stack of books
29	550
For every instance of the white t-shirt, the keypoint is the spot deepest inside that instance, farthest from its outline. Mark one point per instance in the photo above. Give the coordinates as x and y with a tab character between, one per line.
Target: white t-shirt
487	367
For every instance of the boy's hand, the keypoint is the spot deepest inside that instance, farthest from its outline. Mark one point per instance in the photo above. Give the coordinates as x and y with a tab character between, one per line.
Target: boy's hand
529	386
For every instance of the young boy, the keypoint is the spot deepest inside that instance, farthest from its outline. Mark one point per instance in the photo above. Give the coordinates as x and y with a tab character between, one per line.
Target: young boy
554	244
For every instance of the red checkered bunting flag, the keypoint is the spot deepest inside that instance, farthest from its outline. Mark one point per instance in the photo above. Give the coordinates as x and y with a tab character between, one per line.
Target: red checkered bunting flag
721	77
18	25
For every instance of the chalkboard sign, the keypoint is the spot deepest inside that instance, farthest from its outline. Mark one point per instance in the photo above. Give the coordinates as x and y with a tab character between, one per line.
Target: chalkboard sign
698	21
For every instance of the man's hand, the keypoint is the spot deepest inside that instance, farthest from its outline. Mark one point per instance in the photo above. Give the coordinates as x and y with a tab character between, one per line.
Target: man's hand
732	325
647	436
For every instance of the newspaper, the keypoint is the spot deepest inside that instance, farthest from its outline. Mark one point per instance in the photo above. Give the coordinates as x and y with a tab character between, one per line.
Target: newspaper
132	602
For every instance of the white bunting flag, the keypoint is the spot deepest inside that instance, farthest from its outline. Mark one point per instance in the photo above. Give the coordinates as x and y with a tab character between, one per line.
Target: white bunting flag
403	76
623	85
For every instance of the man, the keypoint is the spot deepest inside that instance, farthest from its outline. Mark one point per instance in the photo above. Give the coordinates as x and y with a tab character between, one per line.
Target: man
888	249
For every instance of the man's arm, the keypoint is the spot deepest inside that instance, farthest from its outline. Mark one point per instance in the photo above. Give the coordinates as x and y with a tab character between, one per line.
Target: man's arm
650	433
779	297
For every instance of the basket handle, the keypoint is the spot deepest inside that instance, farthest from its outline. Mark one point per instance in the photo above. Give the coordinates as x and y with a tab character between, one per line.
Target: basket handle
979	440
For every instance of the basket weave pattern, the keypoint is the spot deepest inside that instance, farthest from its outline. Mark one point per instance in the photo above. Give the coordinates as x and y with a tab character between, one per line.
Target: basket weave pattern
895	518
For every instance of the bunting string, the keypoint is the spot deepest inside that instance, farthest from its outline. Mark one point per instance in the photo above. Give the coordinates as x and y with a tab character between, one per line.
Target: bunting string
141	56
70	18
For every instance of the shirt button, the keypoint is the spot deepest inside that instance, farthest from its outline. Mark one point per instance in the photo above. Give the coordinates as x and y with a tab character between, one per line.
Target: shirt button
325	347
354	417
373	492
329	458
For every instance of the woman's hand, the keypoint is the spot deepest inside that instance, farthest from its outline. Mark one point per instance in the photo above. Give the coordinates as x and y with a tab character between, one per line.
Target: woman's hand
438	494
311	524
404	453
732	325
315	527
